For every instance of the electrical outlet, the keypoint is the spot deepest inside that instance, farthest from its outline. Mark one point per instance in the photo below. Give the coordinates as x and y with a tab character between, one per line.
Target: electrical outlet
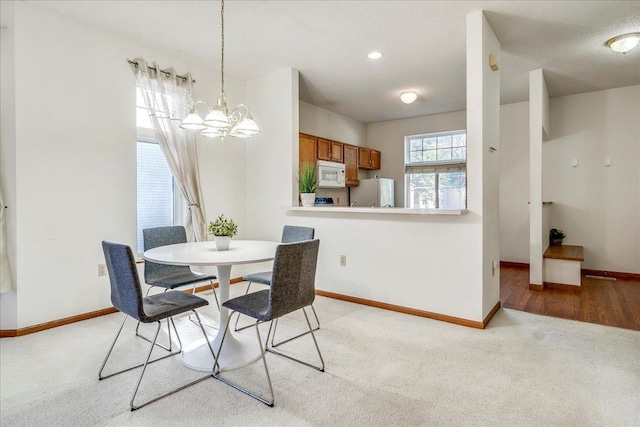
343	260
102	270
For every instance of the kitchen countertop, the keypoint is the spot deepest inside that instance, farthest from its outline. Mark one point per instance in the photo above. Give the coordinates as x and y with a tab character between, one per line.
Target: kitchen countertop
383	211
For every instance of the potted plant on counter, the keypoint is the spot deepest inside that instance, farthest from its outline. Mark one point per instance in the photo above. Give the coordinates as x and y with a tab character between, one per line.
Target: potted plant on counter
223	230
307	183
555	237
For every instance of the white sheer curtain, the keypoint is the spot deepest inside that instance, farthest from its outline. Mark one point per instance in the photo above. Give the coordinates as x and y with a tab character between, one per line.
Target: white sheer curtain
168	99
5	272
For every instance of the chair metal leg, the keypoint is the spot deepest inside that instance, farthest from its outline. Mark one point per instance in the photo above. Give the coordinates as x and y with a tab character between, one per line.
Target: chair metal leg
102	377
216	373
272	350
147	362
275	327
168	329
236	329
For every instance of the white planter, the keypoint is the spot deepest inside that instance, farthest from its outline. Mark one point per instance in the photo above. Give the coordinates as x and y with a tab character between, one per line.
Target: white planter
308	199
222	242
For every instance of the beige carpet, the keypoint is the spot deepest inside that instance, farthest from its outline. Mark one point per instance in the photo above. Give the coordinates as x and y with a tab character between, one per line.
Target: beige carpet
383	369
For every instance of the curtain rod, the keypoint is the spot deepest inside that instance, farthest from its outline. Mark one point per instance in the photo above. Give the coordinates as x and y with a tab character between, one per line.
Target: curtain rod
166	73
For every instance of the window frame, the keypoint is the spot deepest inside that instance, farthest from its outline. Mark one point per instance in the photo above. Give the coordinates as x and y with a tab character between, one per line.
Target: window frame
436	167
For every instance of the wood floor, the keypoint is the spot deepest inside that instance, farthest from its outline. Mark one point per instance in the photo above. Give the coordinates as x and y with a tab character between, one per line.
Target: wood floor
600	301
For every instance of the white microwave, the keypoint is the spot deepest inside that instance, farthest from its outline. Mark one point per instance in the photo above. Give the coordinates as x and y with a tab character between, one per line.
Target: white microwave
330	174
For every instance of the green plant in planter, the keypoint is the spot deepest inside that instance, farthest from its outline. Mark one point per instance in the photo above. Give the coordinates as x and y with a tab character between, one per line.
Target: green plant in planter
223	227
307	178
555	236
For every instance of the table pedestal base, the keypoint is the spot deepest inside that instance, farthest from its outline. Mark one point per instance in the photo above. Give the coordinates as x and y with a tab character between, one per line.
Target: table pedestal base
239	350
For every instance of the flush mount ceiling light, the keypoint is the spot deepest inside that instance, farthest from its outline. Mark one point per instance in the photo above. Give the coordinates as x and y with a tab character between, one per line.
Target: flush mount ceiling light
624	42
408	97
219	122
375	55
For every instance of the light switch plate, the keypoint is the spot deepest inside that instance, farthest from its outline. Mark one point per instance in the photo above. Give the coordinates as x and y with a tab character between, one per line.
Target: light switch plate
575	162
607	161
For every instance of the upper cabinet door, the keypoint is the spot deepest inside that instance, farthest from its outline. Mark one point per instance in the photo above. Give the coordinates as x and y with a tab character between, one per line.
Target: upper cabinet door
368	158
307	148
364	157
351	165
375	159
336	152
324	149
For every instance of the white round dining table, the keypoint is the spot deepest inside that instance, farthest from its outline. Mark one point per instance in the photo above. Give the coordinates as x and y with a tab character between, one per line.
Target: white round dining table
239	348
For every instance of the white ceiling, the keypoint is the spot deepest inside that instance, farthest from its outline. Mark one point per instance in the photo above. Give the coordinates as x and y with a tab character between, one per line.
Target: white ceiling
423	44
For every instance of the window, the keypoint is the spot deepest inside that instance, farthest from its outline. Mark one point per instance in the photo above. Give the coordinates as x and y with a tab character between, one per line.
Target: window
436	170
158	202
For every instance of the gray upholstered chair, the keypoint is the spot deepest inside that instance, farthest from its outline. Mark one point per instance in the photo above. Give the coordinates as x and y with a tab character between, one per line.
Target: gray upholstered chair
290	233
126	296
170	276
292	288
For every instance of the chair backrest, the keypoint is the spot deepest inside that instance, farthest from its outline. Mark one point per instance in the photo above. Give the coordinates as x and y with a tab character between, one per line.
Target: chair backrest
162	236
293	233
294	277
126	294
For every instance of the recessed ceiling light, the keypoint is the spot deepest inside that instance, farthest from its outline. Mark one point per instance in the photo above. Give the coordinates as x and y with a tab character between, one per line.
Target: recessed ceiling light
624	43
375	55
408	97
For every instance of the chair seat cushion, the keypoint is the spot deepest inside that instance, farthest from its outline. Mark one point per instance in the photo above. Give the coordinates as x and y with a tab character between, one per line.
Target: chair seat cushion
179	278
254	305
264	277
160	306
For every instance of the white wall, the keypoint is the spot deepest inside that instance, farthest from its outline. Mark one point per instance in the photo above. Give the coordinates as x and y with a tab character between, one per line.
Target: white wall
327	124
598	207
8	304
514	182
538	113
76	158
483	151
272	157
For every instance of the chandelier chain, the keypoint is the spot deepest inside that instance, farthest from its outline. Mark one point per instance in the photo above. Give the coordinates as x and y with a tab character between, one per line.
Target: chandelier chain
222	55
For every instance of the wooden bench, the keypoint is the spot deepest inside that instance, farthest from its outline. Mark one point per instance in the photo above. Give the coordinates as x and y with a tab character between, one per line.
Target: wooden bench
562	267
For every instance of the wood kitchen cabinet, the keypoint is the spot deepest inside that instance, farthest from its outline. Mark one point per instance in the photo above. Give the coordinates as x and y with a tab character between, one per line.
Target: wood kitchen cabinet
375	159
368	158
330	150
337	152
324	149
308	148
351	165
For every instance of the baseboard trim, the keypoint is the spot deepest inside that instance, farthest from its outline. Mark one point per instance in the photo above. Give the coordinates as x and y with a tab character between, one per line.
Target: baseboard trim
584	271
492	313
412	311
536	287
616	274
562	287
11	333
55	323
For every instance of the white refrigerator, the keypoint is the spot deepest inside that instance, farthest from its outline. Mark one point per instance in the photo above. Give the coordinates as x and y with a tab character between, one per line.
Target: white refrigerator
373	193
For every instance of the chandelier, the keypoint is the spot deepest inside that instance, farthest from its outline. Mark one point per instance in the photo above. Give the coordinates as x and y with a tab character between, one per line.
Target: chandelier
218	122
